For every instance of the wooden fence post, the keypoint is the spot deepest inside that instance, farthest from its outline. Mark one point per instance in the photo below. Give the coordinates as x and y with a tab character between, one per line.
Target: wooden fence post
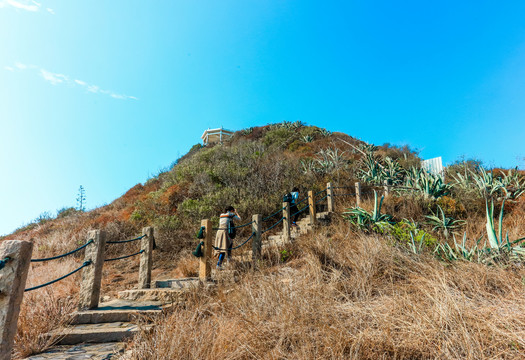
330	197
205	260
16	258
311	206
387	188
358	193
287	221
92	274
256	242
146	246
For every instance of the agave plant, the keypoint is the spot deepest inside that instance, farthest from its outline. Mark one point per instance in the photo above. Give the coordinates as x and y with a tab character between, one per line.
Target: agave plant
416	249
513	184
330	160
366	220
487	184
308	166
462	181
325	132
460	251
307	138
496	241
371	170
428	184
392	171
442	223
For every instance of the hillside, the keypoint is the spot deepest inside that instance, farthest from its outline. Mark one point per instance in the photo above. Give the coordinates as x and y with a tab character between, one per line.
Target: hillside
367	286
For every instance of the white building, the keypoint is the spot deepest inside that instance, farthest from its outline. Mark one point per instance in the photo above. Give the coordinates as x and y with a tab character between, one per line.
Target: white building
433	166
215	136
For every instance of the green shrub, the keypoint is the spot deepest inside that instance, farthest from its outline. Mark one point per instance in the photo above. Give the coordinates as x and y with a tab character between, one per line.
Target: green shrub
401	232
66	211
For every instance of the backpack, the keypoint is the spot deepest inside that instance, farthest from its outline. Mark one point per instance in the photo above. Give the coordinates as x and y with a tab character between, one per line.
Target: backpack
198	251
200	233
232	231
288	198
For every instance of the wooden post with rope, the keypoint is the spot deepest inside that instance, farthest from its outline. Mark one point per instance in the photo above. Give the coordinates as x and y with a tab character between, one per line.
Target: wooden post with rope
311	206
287	221
330	197
15	258
146	258
256	241
387	188
358	193
205	260
92	275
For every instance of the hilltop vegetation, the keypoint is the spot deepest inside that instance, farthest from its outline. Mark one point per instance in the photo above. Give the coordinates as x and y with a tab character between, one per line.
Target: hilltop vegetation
387	279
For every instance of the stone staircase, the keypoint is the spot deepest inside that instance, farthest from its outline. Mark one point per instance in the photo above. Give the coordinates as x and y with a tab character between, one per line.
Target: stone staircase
101	333
302	228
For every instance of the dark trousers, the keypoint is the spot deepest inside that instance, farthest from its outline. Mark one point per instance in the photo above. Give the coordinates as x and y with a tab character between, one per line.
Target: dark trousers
294	210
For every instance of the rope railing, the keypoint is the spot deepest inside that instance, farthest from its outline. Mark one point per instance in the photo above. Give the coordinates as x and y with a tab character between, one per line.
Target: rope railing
4	261
320	192
126	241
236	247
349	194
125	256
243	225
321	199
274	225
300	211
63	255
271	216
302	201
86	263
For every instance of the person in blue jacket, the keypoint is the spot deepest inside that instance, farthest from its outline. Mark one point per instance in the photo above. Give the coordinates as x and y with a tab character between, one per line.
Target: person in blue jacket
293	205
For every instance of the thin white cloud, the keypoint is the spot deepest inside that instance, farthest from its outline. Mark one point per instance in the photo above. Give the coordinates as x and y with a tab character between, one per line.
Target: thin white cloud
21	66
32	6
53	78
92	88
26	5
56	79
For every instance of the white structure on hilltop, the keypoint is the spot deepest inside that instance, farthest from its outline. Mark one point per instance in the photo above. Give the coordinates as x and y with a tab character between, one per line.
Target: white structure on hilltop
433	166
215	136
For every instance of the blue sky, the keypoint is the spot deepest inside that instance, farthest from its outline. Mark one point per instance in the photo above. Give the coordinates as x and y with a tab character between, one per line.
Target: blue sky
104	94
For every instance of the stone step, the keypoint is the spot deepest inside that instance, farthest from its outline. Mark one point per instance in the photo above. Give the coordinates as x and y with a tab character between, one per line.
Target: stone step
116	310
103	351
97	333
184	283
165	296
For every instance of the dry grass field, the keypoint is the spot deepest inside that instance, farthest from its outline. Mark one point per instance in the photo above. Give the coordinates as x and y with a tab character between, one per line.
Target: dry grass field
343	295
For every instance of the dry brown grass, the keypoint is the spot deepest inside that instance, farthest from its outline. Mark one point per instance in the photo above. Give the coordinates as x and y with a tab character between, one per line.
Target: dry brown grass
345	296
45	309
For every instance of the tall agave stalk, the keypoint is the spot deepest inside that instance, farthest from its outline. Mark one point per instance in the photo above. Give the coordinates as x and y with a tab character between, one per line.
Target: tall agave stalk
496	241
